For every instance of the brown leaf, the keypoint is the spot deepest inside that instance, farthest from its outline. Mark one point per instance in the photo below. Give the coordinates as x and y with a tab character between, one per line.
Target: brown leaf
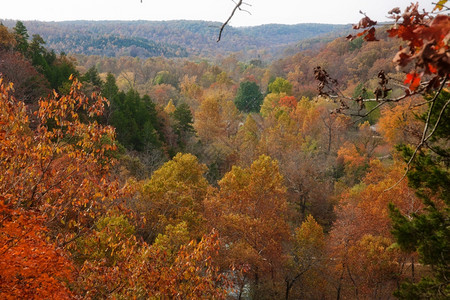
365	23
395	10
370	36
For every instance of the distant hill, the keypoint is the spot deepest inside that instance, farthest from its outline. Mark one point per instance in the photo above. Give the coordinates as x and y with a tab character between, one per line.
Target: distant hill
169	38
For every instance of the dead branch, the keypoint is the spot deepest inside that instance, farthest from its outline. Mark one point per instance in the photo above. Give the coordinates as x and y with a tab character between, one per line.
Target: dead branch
236	7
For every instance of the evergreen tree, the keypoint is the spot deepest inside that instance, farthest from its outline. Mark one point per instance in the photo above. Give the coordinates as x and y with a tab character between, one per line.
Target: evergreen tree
21	35
92	77
134	118
184	119
183	123
56	69
110	90
428	233
248	98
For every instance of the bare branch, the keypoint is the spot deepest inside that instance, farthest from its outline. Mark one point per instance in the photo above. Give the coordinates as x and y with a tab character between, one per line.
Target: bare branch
367	113
438	120
238	6
425	137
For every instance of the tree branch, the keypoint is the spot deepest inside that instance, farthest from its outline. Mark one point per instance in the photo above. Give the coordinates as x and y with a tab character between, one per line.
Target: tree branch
238	5
425	137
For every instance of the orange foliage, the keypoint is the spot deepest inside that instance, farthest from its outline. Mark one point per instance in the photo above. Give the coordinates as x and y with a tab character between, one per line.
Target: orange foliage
400	124
349	154
53	181
250	212
360	239
193	275
31	267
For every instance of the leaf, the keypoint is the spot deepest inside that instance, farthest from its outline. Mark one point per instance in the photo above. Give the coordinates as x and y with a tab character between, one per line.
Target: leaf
440	5
351	37
395	10
370	36
413	79
365	23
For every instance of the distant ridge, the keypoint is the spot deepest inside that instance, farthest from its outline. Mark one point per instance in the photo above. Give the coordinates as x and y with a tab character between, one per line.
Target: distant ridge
168	38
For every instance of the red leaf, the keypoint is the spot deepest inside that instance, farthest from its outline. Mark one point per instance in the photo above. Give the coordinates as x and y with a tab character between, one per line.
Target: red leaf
413	79
370	36
432	69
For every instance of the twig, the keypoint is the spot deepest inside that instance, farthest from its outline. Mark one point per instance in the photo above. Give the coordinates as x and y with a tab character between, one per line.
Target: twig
438	120
238	5
368	113
425	137
421	104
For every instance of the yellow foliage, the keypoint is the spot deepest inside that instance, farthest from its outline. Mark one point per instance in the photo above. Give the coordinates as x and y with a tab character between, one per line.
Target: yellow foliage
399	124
170	108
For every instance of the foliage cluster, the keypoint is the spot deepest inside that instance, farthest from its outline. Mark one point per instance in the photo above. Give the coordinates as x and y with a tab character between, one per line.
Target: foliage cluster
163	178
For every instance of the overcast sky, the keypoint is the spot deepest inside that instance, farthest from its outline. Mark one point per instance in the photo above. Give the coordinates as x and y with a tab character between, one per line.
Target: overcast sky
262	11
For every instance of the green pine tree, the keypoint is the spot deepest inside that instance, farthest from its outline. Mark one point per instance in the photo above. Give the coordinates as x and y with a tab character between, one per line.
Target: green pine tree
21	35
248	97
183	123
428	233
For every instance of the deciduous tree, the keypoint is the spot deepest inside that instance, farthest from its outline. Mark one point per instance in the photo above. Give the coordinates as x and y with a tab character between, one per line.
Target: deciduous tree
250	212
174	194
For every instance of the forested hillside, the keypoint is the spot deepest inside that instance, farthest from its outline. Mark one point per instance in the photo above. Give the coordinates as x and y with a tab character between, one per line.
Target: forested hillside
320	175
168	38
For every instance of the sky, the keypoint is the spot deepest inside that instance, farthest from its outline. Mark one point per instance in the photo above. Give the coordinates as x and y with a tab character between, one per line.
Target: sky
262	11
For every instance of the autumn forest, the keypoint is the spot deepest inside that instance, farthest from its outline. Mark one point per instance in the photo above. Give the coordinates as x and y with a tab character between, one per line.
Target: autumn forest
138	163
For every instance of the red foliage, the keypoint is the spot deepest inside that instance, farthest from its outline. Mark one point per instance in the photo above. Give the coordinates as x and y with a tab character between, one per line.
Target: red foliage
288	101
427	43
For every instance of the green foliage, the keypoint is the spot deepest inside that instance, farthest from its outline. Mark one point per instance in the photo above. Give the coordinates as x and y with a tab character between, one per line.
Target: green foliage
164	77
107	238
110	90
183	123
133	116
56	70
134	119
184	119
173	238
374	116
356	43
257	63
92	77
21	35
280	85
428	232
248	98
360	91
